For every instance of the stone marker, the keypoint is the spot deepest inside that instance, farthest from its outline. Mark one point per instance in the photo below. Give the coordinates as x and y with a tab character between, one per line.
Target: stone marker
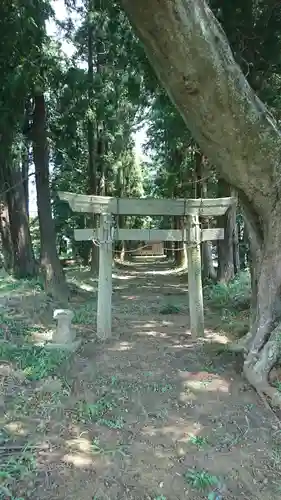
64	336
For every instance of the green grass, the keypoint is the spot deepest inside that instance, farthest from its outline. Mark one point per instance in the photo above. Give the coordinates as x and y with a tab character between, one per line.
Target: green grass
97	449
235	294
9	284
86	314
96	412
232	302
11	327
170	309
35	362
201	480
13	470
199	441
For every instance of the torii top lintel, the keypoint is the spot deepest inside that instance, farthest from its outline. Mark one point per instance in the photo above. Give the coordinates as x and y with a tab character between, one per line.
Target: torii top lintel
147	206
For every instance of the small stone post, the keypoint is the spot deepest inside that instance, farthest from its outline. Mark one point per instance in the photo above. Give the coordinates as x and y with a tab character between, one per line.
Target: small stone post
64	337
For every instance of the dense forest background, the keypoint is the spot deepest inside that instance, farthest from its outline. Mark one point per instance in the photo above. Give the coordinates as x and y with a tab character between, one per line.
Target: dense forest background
72	120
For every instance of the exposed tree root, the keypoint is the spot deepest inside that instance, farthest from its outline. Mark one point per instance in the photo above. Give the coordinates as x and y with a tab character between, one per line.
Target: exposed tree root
241	345
258	365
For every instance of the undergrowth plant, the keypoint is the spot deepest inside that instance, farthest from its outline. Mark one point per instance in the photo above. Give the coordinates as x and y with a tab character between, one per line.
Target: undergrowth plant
201	480
231	295
35	362
96	412
13	470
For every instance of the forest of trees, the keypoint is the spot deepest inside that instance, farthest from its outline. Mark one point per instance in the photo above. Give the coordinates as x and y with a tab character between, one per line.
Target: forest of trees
72	119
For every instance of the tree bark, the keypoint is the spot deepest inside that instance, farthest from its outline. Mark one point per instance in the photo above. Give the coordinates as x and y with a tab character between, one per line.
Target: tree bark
179	246
243	246
15	233
201	191
24	265
25	173
236	249
92	165
5	233
169	250
225	246
55	283
190	53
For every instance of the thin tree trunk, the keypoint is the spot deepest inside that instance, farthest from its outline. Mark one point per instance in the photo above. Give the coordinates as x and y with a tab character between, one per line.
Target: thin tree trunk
6	240
55	283
225	246
180	247
243	246
168	249
5	229
25	173
207	264
236	251
236	132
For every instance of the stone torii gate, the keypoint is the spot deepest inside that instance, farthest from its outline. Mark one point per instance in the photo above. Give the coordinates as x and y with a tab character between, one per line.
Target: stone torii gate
191	234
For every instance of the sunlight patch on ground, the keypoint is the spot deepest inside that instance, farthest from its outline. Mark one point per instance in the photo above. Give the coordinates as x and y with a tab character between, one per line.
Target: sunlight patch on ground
149	324
7	370
87	288
179	431
17	428
122	346
78	460
41	337
187	396
130	297
189	344
123	277
195	431
211	336
153	333
163	272
204	381
80	444
81	283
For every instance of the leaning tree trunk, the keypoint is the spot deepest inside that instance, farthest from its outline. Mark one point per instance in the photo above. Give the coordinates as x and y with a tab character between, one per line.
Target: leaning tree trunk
55	283
191	56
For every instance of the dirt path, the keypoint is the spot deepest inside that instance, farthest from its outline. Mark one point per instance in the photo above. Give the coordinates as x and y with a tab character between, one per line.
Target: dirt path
148	415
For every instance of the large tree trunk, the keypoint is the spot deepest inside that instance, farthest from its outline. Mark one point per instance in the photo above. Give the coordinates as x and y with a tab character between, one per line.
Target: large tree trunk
15	233
55	283
225	246
191	56
24	265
